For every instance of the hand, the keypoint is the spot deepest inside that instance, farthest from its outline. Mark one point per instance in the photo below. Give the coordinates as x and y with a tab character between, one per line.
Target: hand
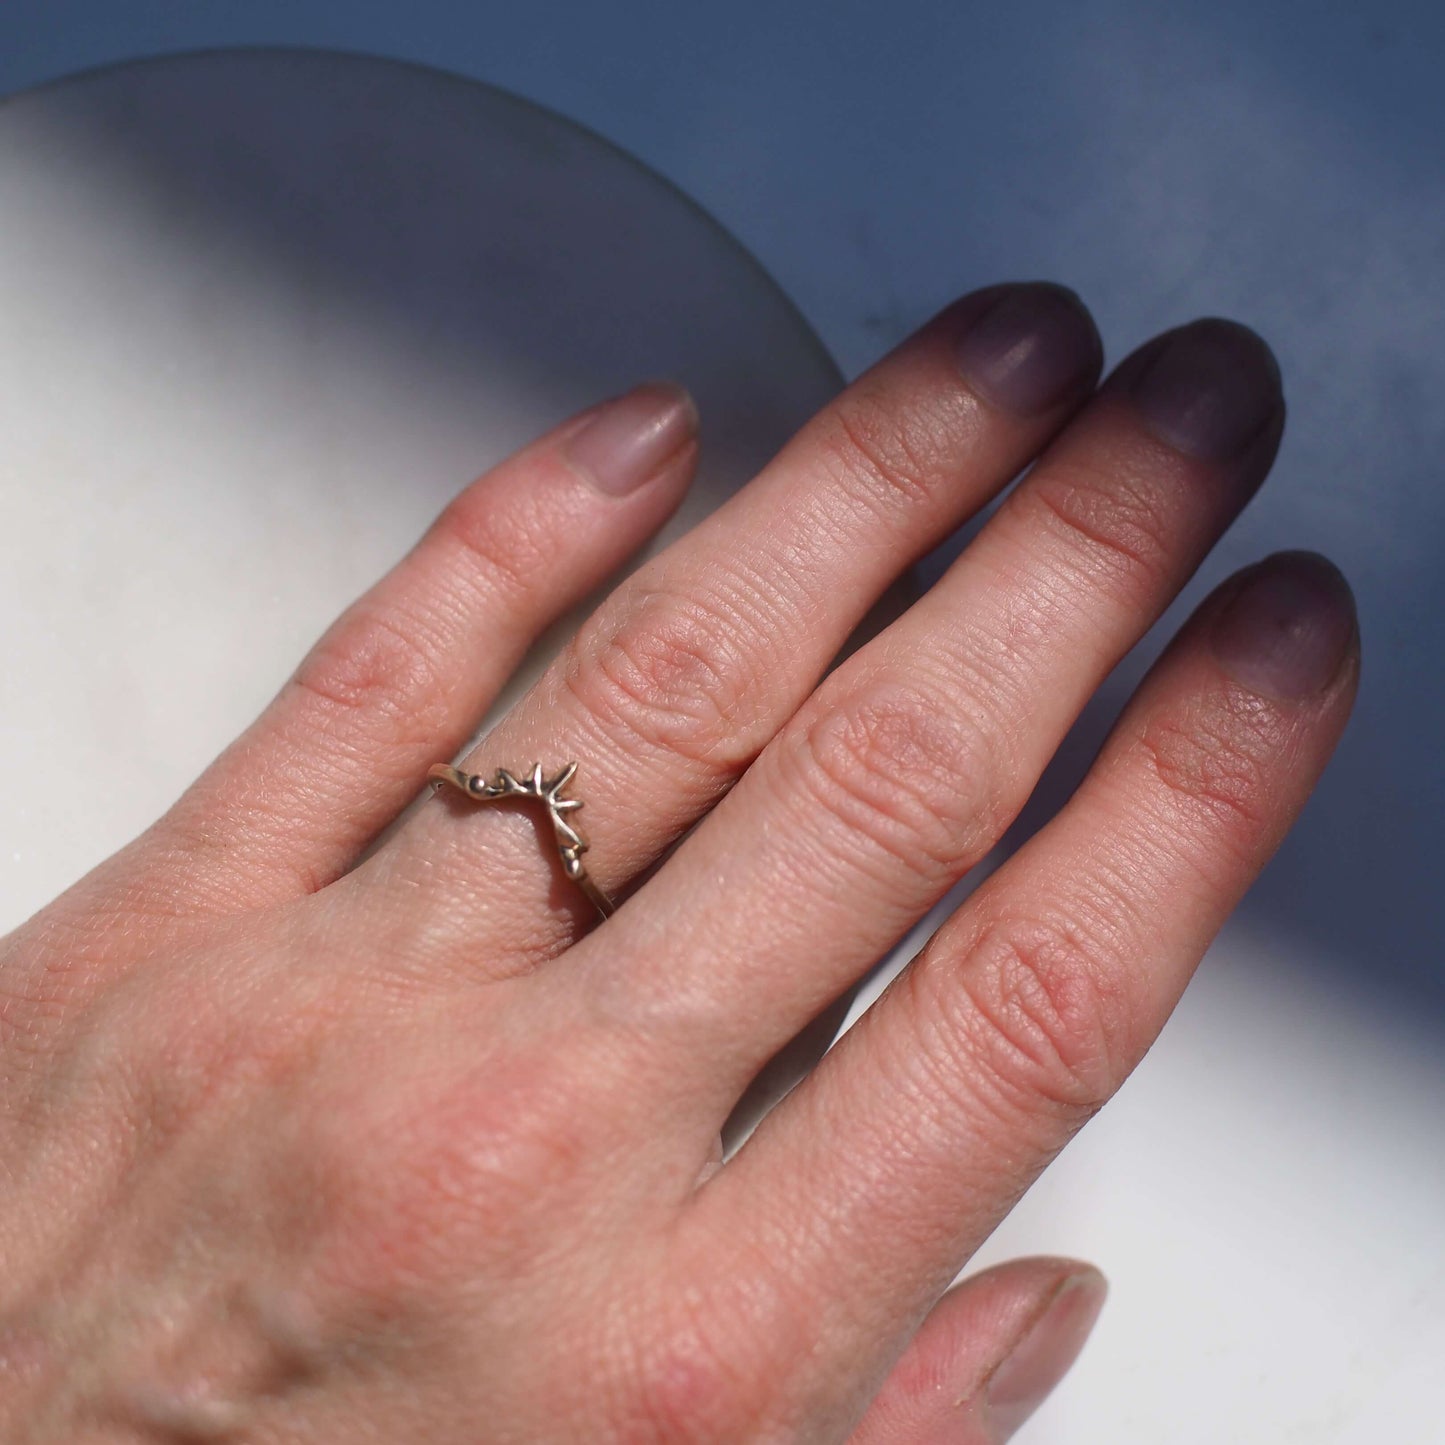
298	1149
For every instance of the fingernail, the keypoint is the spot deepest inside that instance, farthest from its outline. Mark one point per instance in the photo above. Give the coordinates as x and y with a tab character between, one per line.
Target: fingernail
1288	628
1042	1357
630	438
1212	389
1034	347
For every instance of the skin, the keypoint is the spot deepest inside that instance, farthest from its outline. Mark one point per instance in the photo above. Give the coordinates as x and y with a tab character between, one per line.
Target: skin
302	1141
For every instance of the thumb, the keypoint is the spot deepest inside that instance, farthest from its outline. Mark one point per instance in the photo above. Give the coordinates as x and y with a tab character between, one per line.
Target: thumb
987	1355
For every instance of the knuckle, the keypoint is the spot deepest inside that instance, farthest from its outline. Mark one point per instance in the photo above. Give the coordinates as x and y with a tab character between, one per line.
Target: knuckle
686	1386
1039	1011
1119	520
1213	760
905	773
892	446
459	1169
509	548
715	1365
500	1142
369	668
671	674
44	969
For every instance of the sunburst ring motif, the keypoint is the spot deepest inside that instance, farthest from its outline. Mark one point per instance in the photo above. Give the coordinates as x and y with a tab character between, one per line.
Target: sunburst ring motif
504	784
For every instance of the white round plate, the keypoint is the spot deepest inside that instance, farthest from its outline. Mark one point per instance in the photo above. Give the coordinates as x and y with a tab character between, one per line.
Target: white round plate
265	312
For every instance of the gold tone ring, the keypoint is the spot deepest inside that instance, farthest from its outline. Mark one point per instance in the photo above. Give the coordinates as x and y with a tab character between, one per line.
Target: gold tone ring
570	844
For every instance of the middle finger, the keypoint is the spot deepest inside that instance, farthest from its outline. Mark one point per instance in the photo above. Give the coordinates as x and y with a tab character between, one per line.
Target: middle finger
673	686
905	767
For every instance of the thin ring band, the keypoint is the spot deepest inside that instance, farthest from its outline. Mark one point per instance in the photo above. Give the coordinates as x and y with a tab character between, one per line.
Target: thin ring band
570	843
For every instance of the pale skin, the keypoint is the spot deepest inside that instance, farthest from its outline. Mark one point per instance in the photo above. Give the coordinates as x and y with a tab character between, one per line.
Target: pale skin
301	1148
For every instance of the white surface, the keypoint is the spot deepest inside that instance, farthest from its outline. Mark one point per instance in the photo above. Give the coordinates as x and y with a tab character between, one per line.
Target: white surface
1266	1193
264	316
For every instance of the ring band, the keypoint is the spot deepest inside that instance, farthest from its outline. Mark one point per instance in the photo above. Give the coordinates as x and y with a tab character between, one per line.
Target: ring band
570	843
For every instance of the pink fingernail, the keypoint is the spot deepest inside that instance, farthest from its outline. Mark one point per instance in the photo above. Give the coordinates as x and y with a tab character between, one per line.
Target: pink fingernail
629	439
1042	1357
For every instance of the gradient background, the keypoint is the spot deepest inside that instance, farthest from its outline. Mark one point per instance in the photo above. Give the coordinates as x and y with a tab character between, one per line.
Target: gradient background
1281	164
